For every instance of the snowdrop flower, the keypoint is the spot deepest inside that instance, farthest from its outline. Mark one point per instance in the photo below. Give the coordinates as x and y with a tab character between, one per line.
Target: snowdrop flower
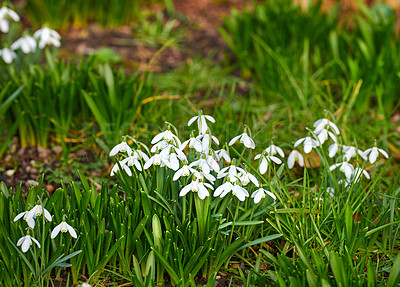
351	151
358	172
232	172
193	143
197	186
161	145
309	144
374	152
26	43
31	222
325	123
206	164
293	156
167	136
221	153
324	134
244	139
47	36
200	175
239	192
133	161
63	227
38	210
121	147
345	167
156	159
260	193
246	177
206	141
201	122
5	15
8	55
85	285
183	171
140	155
265	160
26	242
333	149
223	189
273	150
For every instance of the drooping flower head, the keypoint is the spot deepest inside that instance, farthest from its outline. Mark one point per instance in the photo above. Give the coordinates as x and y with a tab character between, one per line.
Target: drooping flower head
7	14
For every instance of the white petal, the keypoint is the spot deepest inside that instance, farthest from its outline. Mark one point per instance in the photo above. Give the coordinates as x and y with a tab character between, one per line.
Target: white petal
383	152
71	231
20	241
210	118
37	242
232	141
47	215
192	120
290	160
299	142
27	242
56	230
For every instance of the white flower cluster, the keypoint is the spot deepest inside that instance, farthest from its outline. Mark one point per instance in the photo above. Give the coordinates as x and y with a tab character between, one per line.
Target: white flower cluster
27	44
325	130
206	167
30	216
203	164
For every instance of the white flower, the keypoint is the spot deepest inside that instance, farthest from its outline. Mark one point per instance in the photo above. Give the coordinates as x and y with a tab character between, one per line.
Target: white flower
260	193
240	192
31	222
47	36
206	164
232	172
206	141
140	155
26	242
273	150
223	189
221	153
167	136
132	161
374	152
324	134
245	139
246	177
85	285
201	122
351	151
121	147
26	43
293	156
38	210
324	123
193	143
6	14
183	171
358	172
63	227
156	159
265	160
345	167
8	55
309	144
197	186
200	175
333	149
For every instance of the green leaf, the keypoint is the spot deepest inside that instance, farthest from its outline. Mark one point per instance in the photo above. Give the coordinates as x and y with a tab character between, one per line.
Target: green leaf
394	276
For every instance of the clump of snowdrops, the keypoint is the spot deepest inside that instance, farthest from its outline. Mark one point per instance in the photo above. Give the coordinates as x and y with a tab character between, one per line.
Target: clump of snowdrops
37	219
27	43
202	168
